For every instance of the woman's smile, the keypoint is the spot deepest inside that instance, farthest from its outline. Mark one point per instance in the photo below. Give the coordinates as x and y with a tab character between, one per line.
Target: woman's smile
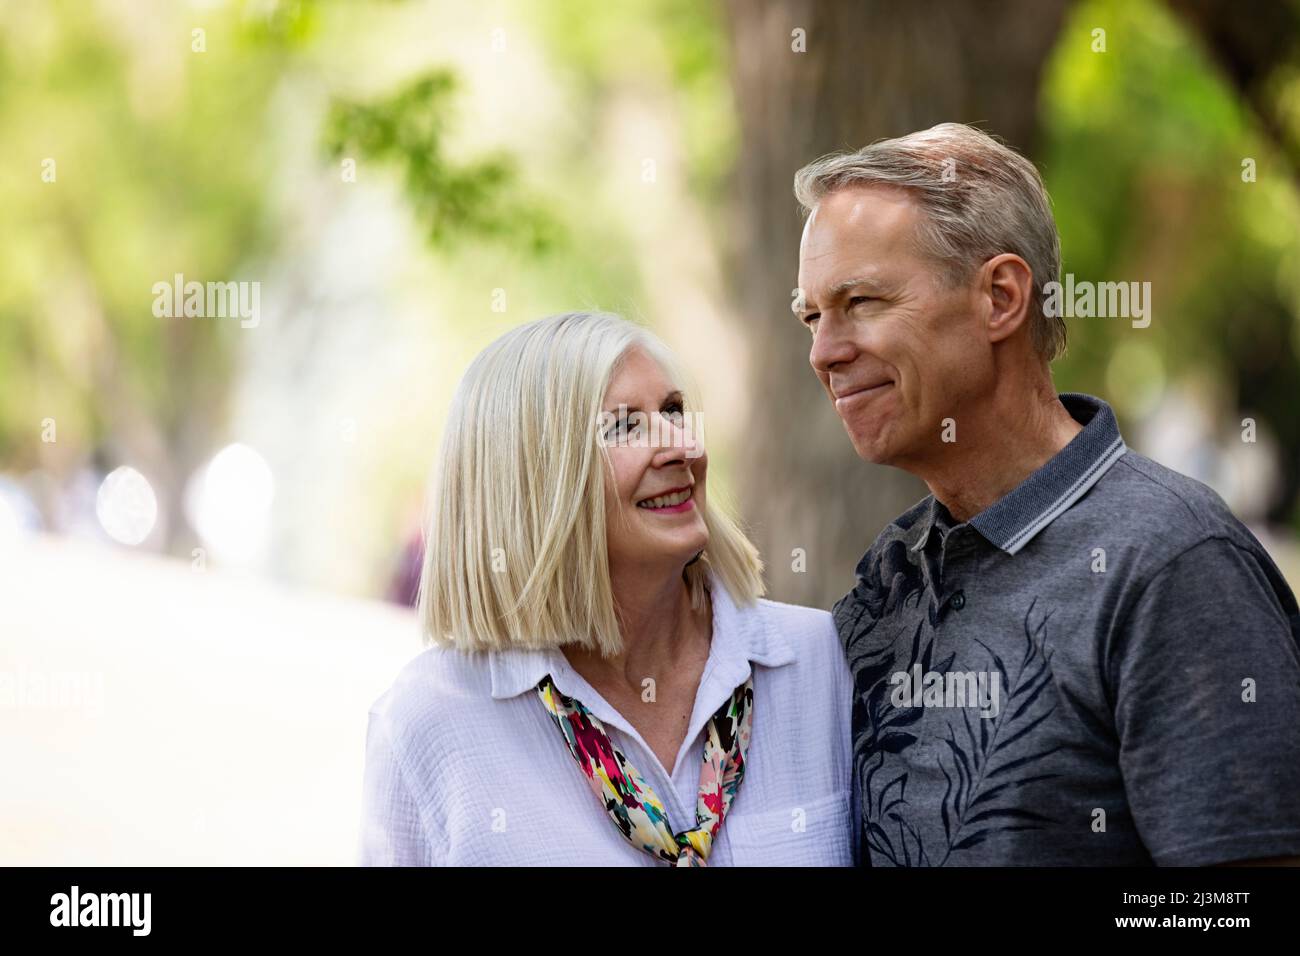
670	502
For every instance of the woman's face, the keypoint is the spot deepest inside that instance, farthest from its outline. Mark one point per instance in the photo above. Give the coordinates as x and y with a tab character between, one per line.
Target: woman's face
654	508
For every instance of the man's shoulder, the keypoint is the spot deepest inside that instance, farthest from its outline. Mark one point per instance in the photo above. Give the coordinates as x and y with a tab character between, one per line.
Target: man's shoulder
1159	516
1159	504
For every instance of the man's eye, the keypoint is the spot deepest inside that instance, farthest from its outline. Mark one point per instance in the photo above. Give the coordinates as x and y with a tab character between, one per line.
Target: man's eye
812	317
859	299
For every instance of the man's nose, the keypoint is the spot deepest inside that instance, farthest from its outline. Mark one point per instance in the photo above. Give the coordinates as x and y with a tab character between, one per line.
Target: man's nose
832	344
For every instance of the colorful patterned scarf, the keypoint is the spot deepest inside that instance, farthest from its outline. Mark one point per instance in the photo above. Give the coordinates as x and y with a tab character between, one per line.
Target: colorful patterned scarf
631	804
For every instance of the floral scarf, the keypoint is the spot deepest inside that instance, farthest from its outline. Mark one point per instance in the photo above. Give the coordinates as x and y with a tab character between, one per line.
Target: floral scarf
627	798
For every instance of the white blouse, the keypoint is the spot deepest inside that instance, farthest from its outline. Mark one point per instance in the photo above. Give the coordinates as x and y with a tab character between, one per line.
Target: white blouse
464	767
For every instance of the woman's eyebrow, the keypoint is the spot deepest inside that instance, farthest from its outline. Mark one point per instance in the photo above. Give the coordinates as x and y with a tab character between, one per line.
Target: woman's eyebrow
674	395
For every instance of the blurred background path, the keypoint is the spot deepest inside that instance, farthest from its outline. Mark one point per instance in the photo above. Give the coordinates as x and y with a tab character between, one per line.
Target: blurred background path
155	715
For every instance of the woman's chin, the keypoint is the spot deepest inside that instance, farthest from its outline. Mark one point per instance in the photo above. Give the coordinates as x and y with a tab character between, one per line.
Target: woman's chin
682	547
691	549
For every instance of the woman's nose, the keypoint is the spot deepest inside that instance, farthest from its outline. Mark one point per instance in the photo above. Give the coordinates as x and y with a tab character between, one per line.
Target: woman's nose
677	441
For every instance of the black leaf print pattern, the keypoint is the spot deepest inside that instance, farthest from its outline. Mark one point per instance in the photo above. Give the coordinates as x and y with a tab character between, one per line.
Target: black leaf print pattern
980	760
883	733
982	770
888	581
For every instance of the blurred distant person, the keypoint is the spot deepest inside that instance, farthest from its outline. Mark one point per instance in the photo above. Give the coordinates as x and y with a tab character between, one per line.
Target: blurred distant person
404	586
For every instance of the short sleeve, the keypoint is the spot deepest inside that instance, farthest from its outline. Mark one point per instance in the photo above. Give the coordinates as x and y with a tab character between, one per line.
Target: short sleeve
1207	708
392	833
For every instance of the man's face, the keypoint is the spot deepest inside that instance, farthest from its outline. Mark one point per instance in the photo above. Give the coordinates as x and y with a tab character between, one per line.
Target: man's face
896	349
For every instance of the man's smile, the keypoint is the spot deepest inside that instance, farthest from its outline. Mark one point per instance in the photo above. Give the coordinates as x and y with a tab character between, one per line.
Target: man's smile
856	396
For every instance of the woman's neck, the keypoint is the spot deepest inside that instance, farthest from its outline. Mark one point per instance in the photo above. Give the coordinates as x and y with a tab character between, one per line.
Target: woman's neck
659	629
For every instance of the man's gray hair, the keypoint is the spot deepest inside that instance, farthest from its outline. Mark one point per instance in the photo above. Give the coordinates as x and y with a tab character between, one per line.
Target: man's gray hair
980	198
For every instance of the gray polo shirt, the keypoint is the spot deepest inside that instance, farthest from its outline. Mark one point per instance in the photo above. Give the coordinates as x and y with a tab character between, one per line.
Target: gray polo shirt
1101	668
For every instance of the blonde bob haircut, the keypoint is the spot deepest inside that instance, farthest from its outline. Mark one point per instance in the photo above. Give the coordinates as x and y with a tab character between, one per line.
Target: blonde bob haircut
516	550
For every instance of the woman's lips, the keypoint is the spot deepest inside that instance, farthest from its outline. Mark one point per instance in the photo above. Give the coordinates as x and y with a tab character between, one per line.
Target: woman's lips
859	396
678	508
686	505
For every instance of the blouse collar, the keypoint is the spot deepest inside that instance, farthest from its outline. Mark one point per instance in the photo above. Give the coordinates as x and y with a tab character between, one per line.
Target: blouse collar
741	636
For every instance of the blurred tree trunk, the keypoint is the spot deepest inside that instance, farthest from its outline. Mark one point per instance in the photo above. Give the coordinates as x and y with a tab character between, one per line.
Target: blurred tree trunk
871	69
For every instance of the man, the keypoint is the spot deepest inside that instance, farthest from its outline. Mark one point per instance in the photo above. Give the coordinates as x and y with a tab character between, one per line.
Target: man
1066	654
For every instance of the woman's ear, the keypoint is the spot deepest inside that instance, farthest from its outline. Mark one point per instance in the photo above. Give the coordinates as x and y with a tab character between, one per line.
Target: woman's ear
1009	283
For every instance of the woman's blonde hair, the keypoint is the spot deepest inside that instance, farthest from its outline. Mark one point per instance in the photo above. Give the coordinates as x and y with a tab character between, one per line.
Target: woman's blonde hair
515	550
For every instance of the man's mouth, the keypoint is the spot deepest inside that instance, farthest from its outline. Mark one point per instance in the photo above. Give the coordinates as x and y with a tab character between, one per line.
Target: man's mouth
670	502
858	394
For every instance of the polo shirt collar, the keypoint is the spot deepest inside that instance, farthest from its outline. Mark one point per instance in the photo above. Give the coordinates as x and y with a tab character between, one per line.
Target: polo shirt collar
1013	520
741	636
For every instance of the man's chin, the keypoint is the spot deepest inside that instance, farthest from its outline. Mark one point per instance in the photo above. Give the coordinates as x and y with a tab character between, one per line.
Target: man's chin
870	447
872	456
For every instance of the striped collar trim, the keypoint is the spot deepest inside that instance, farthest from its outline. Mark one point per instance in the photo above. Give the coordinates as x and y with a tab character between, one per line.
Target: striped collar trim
1014	520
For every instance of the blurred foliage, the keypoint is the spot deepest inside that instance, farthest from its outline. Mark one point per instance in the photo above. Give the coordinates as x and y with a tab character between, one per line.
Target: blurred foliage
670	47
159	168
167	160
408	128
1144	145
164	159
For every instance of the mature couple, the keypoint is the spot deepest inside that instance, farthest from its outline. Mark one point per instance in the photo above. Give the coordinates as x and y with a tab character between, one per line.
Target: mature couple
1065	655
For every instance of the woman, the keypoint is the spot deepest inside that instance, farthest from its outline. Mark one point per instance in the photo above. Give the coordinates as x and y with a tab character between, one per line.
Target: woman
607	687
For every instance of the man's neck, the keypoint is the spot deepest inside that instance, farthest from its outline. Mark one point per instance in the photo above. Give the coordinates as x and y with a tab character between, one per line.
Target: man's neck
996	449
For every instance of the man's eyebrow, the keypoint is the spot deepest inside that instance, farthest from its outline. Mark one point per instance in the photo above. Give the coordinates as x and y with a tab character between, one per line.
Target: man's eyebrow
839	288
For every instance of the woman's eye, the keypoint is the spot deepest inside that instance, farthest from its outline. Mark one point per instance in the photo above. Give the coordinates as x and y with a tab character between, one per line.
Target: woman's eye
675	413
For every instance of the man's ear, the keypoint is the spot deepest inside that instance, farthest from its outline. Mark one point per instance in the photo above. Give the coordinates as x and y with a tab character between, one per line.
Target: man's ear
1009	284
